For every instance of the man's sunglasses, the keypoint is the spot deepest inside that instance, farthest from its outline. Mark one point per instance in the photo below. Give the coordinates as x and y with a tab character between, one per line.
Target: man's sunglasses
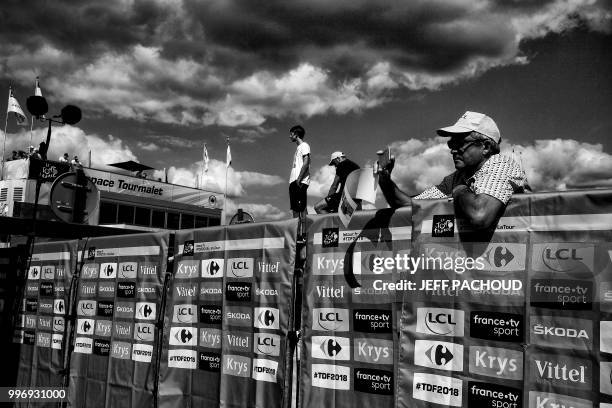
461	146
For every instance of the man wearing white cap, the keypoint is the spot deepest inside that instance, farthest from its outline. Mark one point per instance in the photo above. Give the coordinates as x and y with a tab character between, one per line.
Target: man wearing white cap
484	180
344	167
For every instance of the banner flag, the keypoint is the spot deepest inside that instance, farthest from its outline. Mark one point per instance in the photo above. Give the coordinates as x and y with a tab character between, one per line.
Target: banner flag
228	156
42	325
13	106
118	305
350	314
205	158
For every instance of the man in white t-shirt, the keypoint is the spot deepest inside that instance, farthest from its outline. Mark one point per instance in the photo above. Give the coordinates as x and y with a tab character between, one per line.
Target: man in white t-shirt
300	172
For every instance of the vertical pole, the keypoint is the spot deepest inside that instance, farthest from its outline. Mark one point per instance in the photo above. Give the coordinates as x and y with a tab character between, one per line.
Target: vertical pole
5	127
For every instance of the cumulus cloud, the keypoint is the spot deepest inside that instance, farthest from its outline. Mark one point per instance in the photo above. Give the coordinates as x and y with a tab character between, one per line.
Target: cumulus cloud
260	212
235	63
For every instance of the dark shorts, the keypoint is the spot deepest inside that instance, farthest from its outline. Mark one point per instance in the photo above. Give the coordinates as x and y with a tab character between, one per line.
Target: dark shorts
297	196
333	201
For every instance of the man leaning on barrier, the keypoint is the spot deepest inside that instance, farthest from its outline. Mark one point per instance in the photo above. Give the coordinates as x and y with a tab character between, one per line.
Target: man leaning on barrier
484	180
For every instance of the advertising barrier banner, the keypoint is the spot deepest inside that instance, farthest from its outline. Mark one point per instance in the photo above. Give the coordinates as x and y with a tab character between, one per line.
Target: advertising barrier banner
351	308
227	316
118	302
42	326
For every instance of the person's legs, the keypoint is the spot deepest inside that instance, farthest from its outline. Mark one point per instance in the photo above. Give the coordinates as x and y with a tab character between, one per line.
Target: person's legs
321	207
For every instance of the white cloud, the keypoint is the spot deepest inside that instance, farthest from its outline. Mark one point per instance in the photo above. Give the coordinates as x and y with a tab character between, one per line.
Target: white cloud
260	212
150	147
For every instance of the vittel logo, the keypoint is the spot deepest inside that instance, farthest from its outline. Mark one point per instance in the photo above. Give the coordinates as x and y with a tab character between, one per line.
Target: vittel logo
328	264
548	400
240	267
87	289
60	272
144	331
105	309
265	370
128	270
45	323
34	273
238	366
183	336
122	330
30	322
86	308
496	362
564	257
108	270
210	338
377	351
267	344
212	268
103	328
561	370
438	354
187	270
85	326
268	266
329	292
48	272
147	270
330	319
237	341
267	318
146	311
90	271
331	348
185	313
186	291
442	322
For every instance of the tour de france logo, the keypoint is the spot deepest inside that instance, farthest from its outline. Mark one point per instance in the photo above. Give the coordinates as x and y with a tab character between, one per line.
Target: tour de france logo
188	248
91	253
330	237
443	225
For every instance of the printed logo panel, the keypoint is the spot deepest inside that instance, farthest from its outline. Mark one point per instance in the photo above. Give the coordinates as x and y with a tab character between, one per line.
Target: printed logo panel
437	389
440	321
496	362
182	358
106	289
211	291
144	331
329	376
266	318
605	296
372	320
45	323
126	289
267	266
146	311
48	272
240	268
267	344
121	350
495	257
85	326
148	291
492	395
373	351
237	341
183	336
372	262
56	341
605	336
440	355
567	257
238	316
128	270
59	324
330	292
443	225
105	308
43	339
212	268
210	338
548	400
142	353
562	332
122	330
238	291
605	377
87	289
562	371
86	308
46	289
267	293
565	294
497	326
34	273
188	269
331	348
83	345
186	291
328	264
330	319
101	347
265	370
185	313
148	271
108	270
210	314
330	237
209	361
373	381
124	309
103	328
238	366
44	306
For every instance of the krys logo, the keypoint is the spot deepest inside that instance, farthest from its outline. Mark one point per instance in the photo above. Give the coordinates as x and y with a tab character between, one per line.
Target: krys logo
547	400
187	270
240	267
438	354
266	318
330	319
377	351
442	322
331	348
328	264
575	258
496	362
212	268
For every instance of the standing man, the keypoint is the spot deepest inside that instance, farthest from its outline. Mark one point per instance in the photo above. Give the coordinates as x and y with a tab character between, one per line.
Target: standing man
344	167
300	172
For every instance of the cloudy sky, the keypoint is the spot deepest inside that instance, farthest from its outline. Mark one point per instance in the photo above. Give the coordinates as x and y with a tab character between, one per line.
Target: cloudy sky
157	79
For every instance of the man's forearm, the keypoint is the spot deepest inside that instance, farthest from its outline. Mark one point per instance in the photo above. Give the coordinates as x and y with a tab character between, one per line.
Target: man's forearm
394	196
480	209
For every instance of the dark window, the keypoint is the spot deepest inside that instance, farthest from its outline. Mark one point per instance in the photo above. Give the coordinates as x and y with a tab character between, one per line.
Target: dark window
173	220
143	216
126	214
214	222
186	221
108	213
158	220
201	222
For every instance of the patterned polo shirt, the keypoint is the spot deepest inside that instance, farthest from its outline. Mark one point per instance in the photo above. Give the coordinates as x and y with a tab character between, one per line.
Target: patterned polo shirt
499	177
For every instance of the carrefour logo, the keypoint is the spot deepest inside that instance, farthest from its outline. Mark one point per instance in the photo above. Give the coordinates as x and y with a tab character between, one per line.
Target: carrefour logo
563	257
212	268
108	270
331	348
266	318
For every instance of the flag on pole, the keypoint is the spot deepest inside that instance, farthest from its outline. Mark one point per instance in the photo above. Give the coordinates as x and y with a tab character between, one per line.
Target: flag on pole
13	106
205	158
228	156
37	90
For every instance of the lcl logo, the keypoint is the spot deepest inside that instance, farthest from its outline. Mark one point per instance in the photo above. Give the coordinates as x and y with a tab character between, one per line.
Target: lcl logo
241	267
330	319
